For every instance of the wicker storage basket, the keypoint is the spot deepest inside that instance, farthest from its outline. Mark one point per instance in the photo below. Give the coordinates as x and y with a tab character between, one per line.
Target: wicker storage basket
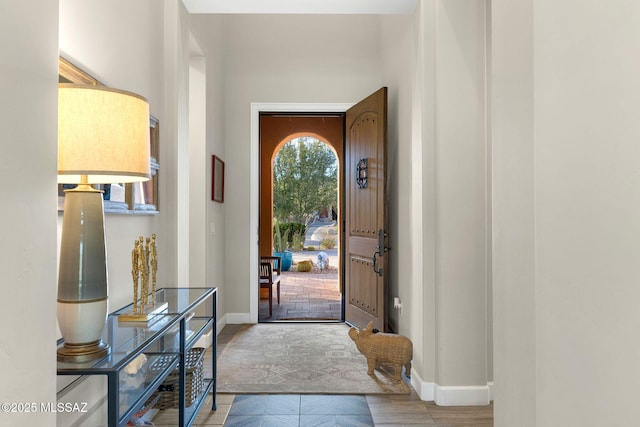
169	390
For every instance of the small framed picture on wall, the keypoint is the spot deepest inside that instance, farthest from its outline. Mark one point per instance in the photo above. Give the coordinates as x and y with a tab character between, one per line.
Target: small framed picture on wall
217	180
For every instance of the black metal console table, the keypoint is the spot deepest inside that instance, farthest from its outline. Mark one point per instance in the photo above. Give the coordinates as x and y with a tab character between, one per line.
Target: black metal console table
191	313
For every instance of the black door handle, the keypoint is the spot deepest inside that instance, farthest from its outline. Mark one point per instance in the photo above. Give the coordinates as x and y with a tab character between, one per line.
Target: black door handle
379	252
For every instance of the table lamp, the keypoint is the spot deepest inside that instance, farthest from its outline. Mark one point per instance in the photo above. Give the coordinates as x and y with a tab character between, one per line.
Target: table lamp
103	137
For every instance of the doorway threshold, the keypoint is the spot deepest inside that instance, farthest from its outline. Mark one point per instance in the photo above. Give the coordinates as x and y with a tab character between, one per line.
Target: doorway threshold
302	320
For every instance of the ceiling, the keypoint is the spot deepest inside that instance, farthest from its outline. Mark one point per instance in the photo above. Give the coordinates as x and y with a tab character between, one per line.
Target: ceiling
376	7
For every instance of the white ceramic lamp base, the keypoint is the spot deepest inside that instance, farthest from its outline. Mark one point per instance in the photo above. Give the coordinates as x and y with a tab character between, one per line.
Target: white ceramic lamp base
80	324
82	281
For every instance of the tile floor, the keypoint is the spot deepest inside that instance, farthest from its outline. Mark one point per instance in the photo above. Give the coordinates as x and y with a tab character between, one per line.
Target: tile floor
299	410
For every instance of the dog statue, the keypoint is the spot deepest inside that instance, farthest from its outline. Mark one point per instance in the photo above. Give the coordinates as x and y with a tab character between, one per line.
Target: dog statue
323	261
378	348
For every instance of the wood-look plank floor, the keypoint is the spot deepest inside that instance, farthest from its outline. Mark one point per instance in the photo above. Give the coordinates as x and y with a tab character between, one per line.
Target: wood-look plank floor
403	410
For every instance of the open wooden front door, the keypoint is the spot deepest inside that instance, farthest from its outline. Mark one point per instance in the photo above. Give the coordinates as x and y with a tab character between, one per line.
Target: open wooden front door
366	261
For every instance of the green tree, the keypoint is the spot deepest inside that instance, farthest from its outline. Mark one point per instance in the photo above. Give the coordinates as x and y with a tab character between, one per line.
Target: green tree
305	179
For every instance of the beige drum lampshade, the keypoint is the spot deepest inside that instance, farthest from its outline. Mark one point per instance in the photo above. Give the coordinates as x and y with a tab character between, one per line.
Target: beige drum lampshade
103	134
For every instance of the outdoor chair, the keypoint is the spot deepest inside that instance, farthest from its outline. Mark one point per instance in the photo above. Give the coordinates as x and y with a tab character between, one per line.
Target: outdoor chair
269	274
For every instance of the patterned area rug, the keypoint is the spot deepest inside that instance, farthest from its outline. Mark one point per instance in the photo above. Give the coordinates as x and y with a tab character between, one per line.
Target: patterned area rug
299	358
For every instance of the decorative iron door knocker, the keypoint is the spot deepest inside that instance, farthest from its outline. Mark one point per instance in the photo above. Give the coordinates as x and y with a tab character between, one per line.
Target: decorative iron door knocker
361	173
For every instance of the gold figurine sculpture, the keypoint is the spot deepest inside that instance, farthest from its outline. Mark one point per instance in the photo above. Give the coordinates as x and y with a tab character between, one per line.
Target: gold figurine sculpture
144	267
144	272
135	274
154	268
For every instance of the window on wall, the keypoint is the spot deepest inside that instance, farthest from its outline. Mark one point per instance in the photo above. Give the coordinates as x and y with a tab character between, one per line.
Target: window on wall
136	198
143	196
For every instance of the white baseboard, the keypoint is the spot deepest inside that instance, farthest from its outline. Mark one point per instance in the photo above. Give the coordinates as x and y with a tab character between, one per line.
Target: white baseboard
451	395
220	324
229	318
205	340
237	318
424	389
461	395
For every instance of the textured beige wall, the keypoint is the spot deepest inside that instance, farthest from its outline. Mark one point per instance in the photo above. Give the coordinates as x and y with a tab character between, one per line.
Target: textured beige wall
566	212
28	165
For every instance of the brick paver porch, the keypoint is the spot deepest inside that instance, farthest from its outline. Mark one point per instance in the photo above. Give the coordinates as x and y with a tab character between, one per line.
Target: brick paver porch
305	296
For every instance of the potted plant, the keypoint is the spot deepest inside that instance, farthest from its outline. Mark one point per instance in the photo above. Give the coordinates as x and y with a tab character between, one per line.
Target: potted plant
280	242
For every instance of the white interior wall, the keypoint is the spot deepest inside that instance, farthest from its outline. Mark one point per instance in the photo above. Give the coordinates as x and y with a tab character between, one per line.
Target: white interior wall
402	39
198	162
397	48
587	189
175	189
208	33
424	210
216	118
28	172
447	192
489	204
120	43
397	74
565	95
460	152
514	333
